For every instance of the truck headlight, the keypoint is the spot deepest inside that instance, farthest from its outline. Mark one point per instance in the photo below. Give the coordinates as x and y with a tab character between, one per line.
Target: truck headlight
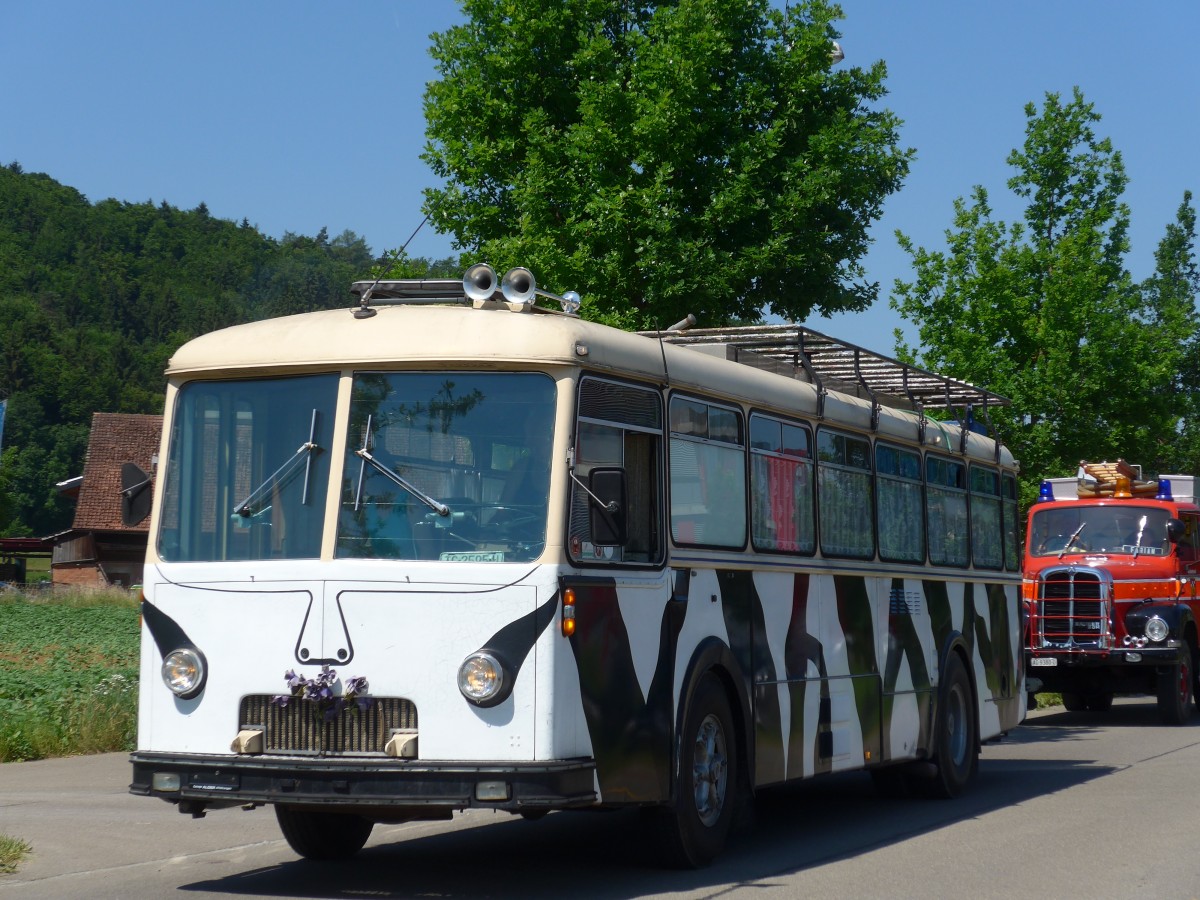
183	671
1156	629
481	678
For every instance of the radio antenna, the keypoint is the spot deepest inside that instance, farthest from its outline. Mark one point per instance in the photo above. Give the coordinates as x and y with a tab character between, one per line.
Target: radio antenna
364	310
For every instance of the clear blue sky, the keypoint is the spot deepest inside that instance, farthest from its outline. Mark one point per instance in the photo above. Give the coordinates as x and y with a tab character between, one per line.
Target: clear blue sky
301	115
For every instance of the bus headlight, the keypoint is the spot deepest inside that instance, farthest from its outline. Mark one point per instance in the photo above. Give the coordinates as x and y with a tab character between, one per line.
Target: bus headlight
1156	629
481	678
183	671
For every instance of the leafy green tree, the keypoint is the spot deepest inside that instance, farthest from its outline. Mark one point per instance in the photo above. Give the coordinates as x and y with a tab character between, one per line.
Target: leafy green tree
1044	311
1170	295
95	298
692	156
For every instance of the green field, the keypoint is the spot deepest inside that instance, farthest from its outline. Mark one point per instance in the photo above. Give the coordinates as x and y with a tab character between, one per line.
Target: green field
68	673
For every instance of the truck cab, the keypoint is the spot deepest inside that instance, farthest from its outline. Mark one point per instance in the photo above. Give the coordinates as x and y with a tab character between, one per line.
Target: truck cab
1109	587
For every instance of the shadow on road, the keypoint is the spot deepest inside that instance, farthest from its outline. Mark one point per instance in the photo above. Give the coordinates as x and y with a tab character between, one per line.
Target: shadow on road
608	855
1132	712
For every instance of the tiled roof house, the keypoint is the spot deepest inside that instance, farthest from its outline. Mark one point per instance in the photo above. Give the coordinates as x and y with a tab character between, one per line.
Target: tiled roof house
100	550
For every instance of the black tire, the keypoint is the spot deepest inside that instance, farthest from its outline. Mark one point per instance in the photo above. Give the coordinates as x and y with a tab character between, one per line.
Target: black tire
1175	692
693	830
1073	701
1099	702
956	735
1195	655
323	835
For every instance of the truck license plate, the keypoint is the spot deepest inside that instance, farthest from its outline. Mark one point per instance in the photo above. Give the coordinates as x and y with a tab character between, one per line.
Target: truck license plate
1044	661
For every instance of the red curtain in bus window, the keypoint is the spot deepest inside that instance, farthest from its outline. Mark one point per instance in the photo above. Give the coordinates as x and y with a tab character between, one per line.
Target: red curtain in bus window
781	489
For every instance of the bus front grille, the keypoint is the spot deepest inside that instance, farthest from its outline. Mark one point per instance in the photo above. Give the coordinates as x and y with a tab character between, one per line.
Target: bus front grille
301	727
1073	609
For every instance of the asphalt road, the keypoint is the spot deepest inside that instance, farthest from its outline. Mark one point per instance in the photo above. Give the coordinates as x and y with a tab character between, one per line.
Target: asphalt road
1069	805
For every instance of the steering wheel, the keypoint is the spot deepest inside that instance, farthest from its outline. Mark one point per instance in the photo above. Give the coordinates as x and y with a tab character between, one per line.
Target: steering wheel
1059	543
507	518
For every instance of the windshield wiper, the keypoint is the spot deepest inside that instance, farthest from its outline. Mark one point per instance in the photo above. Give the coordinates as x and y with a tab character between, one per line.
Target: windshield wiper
1137	547
1071	539
283	474
364	453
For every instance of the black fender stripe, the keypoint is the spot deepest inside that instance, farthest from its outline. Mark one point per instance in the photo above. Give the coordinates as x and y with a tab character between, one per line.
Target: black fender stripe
168	635
854	613
512	643
631	735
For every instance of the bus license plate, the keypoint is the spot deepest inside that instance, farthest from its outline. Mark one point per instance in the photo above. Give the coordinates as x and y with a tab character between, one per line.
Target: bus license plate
1044	661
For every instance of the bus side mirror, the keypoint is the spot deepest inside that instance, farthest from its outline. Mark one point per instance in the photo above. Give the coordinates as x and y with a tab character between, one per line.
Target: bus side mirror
1175	530
136	494
606	506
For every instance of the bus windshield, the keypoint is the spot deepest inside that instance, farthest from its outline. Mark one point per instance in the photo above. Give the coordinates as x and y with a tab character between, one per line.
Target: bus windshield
448	466
1123	529
248	469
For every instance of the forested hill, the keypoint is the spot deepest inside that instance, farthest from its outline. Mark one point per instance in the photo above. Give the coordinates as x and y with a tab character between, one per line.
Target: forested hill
94	299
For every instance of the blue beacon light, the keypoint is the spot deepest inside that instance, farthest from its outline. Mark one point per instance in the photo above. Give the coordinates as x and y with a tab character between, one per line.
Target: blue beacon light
1164	489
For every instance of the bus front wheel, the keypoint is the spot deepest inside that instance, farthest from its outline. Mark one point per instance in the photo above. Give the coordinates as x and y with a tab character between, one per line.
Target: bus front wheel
693	830
323	835
955	742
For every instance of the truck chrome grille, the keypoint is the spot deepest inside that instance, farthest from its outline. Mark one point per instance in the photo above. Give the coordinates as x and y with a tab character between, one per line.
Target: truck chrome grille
300	728
1073	609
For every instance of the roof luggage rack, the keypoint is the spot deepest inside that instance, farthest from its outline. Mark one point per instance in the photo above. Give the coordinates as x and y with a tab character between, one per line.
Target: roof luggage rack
831	364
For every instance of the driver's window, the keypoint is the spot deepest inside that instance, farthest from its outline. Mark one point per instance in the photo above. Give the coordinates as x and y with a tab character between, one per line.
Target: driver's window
619	425
1189	544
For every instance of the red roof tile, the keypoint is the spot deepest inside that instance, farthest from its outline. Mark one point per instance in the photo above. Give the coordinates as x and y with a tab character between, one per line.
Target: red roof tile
115	439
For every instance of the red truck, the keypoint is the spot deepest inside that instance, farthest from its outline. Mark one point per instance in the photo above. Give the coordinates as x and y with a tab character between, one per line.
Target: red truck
1109	586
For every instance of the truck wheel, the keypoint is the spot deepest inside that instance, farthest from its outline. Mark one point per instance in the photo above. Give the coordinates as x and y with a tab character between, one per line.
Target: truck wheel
1195	674
1175	692
694	829
323	835
1101	702
955	739
1073	701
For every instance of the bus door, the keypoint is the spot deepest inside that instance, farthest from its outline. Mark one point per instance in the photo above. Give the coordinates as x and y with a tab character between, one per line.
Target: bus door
625	620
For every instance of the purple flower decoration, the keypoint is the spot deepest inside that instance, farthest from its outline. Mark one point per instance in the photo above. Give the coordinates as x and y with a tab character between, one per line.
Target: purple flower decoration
321	690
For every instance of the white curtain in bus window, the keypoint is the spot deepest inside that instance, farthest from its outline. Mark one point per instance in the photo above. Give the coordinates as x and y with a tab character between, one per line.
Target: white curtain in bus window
708	482
248	469
844	495
898	483
781	486
1008	505
946	511
987	544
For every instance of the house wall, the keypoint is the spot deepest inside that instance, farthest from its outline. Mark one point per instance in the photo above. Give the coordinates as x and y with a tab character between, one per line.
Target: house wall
78	575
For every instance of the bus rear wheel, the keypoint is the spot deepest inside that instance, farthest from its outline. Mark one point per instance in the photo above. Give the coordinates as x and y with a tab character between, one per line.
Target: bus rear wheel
694	829
956	736
323	835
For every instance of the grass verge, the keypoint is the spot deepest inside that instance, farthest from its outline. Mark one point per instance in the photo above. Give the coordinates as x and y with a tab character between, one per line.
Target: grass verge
68	673
12	851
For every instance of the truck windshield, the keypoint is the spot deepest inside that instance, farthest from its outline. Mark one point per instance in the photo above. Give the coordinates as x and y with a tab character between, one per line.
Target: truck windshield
451	466
248	469
1115	529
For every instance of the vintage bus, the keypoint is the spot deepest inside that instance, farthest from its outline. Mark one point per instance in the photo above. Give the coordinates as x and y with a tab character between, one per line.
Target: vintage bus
451	549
